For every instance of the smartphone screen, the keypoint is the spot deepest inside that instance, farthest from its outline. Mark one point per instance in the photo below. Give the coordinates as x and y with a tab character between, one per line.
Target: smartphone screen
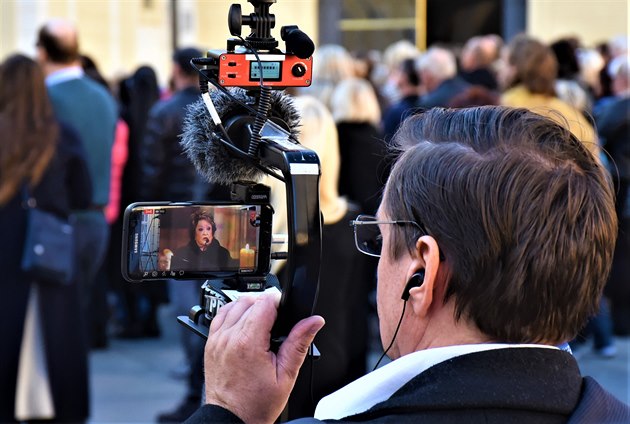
175	241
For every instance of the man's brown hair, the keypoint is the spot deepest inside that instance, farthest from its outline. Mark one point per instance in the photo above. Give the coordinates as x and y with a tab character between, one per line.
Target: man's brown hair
60	42
521	210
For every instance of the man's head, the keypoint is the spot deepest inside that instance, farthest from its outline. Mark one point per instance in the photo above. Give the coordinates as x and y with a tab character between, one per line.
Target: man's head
520	212
58	44
478	53
184	75
436	66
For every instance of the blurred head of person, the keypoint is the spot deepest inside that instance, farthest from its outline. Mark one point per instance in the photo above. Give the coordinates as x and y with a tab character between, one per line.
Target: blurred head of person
565	51
27	124
58	45
591	63
333	63
393	56
435	66
184	75
479	52
407	78
621	77
532	64
521	212
398	51
354	100
141	87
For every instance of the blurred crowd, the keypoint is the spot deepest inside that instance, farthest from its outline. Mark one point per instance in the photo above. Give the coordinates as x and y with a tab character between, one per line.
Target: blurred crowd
86	146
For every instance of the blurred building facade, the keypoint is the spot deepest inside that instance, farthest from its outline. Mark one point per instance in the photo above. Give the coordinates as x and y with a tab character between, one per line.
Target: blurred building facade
124	34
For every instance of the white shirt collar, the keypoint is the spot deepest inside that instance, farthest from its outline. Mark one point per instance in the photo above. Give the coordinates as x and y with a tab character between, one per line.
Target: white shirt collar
379	385
63	75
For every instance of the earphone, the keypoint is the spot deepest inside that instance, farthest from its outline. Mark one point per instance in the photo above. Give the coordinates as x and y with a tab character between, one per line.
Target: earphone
416	280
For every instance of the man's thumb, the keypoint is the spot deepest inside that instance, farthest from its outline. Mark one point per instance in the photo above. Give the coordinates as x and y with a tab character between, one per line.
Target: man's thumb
294	349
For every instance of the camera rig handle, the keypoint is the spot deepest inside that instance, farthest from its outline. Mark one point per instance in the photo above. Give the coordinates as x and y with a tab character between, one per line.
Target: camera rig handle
301	170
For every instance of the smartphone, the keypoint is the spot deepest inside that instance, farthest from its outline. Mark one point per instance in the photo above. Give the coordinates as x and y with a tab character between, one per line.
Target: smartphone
185	241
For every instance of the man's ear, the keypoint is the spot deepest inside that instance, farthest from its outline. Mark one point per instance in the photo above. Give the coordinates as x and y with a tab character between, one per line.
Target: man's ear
426	259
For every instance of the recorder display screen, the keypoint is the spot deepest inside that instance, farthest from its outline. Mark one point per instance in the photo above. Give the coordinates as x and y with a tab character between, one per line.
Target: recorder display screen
177	241
271	71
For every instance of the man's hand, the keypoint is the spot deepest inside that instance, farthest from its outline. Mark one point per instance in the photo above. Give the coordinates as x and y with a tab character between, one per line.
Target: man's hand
241	373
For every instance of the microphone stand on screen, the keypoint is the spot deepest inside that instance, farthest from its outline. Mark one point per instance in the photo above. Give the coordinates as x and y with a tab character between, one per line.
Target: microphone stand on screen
244	129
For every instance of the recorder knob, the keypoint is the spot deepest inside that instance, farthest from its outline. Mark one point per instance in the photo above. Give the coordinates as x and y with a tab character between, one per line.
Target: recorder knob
298	70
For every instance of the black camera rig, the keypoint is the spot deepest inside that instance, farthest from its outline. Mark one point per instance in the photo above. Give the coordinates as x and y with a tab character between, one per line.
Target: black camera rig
263	141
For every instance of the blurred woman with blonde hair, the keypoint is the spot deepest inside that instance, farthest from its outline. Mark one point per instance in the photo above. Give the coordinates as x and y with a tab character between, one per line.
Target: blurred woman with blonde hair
332	64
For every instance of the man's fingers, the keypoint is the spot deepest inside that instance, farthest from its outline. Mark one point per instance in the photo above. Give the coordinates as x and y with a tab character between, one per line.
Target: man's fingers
294	349
259	320
234	313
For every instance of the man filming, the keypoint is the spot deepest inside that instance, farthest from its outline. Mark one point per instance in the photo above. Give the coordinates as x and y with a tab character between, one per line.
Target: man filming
495	236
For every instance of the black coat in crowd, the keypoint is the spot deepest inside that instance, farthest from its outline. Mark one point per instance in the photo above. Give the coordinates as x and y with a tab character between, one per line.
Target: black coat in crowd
65	187
364	165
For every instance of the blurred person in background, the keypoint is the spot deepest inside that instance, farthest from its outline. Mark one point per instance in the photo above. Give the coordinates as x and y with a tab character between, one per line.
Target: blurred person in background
111	265
332	64
613	126
167	174
476	59
137	94
591	63
569	87
387	82
363	165
530	74
613	52
91	110
345	274
43	350
409	87
438	74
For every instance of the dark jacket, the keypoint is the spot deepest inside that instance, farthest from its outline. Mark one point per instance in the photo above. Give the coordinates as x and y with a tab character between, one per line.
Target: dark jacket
613	127
65	187
167	173
524	385
396	113
191	258
364	167
482	76
444	93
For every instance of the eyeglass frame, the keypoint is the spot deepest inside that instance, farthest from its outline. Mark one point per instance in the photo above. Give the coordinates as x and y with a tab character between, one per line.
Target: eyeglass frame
357	222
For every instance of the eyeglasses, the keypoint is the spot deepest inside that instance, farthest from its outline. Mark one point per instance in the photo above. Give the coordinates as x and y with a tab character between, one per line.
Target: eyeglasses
367	234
